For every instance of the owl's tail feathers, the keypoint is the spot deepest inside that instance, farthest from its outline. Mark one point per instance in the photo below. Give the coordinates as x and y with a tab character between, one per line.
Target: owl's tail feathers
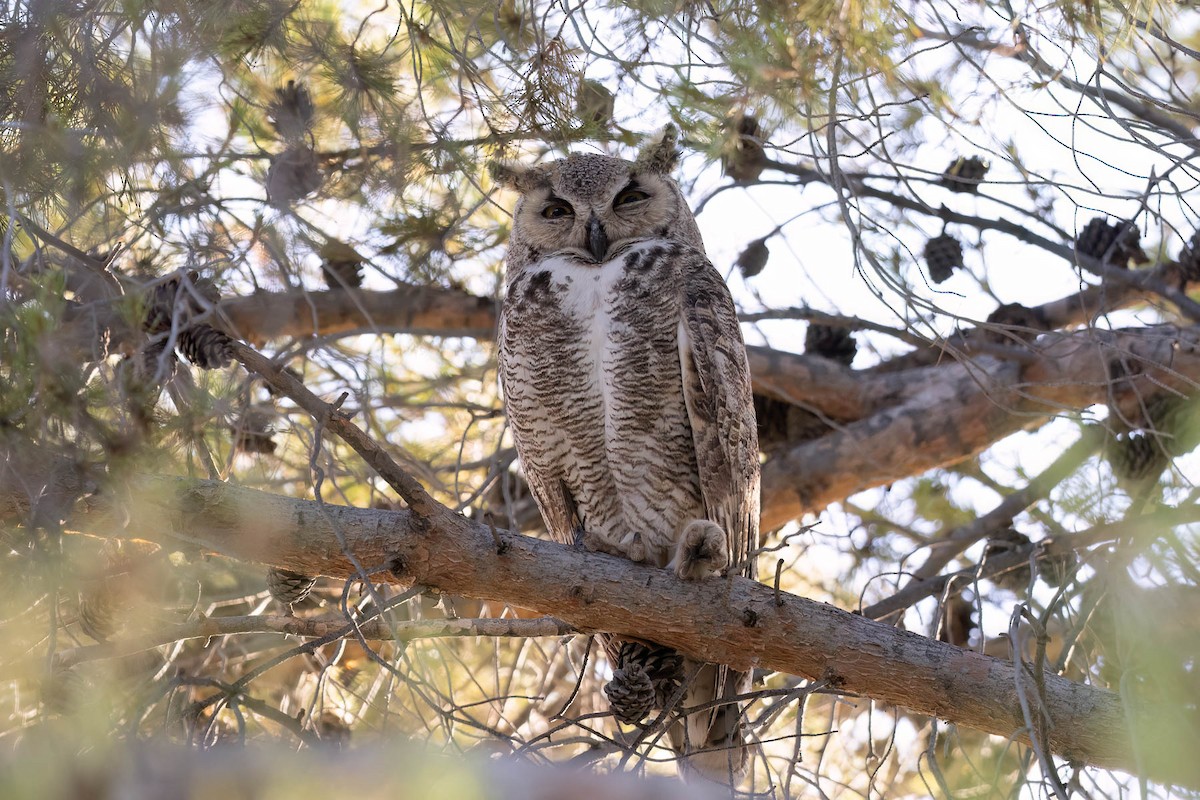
711	742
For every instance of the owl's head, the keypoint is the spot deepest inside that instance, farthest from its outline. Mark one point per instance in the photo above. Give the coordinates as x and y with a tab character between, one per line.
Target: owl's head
590	206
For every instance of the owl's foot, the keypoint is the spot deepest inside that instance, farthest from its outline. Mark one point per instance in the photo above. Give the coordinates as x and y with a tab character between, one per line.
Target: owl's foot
702	550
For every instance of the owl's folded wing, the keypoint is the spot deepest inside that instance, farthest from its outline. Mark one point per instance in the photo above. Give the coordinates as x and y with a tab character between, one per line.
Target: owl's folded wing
716	385
553	498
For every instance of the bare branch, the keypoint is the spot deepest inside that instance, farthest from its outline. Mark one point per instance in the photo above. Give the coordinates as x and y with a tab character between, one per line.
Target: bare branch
377	629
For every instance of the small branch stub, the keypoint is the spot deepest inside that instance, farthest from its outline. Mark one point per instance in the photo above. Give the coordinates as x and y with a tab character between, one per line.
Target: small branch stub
501	546
778	574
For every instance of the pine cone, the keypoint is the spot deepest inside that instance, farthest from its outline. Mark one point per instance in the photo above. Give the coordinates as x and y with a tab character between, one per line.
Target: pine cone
206	347
1137	456
957	624
662	664
1116	245
630	693
1189	259
160	306
1003	543
206	288
943	255
753	259
100	612
254	442
744	158
836	344
252	434
342	274
171	297
292	111
1017	321
293	175
288	587
341	264
152	357
594	103
965	174
63	690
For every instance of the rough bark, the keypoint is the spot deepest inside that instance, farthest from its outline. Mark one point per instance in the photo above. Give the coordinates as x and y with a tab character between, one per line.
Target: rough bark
737	621
413	309
945	414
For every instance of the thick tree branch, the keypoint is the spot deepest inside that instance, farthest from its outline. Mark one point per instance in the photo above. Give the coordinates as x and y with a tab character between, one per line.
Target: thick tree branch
892	424
412	309
736	621
949	413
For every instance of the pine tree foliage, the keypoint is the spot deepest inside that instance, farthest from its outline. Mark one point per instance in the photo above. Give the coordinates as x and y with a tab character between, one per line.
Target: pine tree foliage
311	178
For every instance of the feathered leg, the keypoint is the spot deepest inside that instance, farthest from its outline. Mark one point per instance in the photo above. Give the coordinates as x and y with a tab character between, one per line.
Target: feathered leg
711	742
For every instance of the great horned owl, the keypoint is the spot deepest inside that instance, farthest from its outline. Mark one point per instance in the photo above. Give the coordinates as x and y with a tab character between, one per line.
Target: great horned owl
628	392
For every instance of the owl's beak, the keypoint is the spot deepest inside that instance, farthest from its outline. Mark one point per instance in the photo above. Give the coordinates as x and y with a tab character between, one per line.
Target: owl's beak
597	239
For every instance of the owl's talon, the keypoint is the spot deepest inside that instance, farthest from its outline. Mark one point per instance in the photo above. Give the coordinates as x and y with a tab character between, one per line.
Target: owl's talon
702	550
634	547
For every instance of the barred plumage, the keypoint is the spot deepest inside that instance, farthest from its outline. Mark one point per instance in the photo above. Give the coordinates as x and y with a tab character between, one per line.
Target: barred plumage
628	394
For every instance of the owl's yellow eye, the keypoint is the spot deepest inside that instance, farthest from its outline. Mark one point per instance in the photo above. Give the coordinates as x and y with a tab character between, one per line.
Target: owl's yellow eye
630	196
558	209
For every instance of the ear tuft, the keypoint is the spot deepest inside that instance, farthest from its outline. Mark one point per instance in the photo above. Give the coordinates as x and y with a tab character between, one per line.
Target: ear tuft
662	154
513	175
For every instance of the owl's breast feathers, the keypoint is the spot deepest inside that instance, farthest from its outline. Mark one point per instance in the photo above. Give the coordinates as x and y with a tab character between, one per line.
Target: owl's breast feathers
608	403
